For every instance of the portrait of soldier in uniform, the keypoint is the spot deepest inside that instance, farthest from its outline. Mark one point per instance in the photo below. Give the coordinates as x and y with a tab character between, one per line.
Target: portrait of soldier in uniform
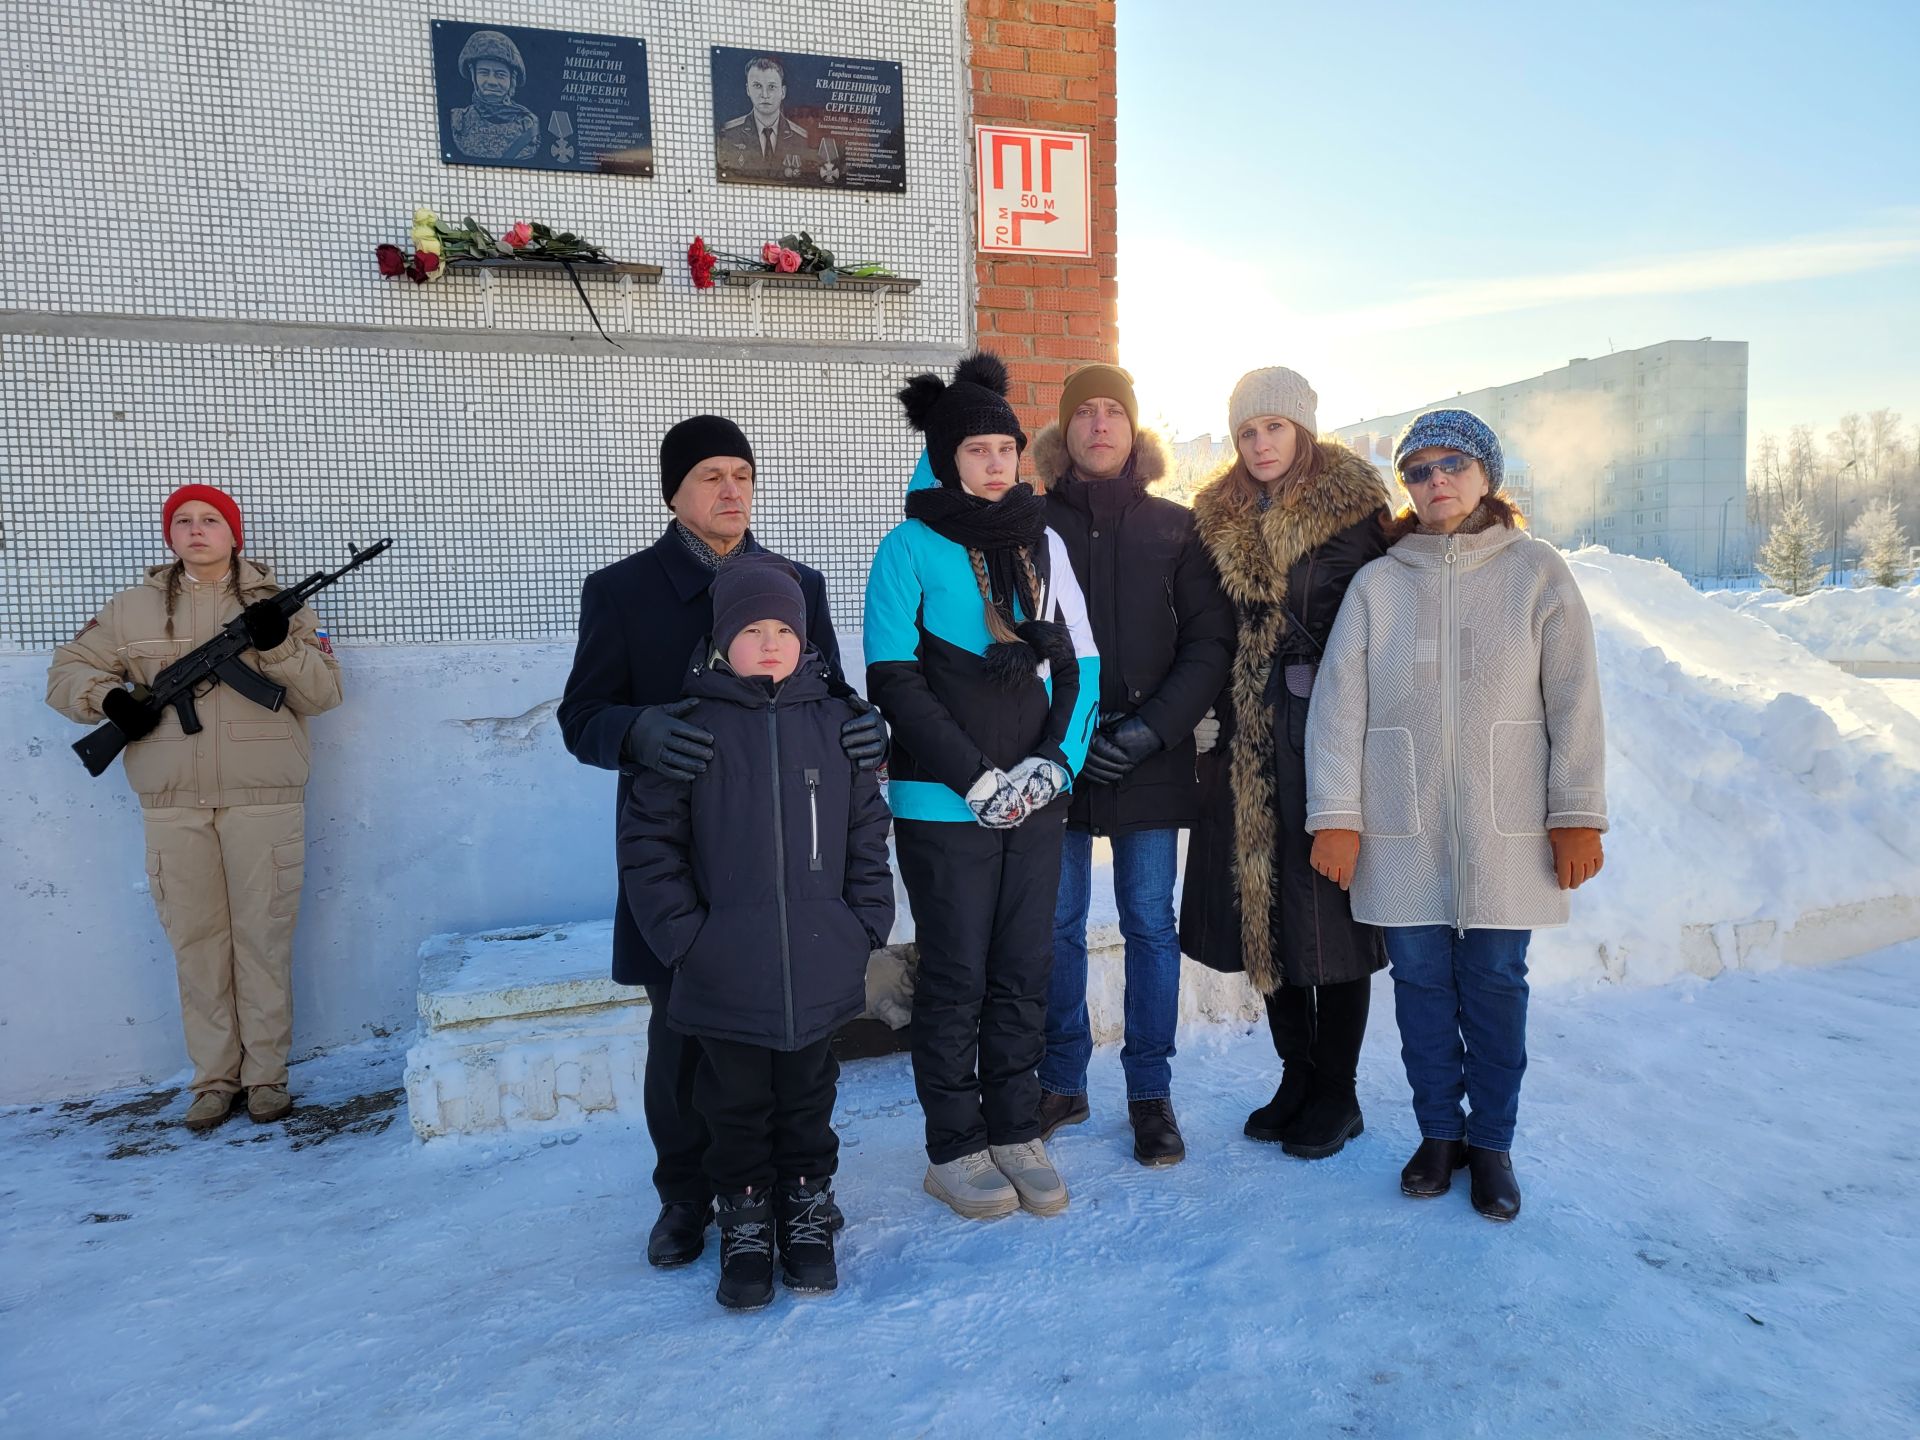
494	126
764	144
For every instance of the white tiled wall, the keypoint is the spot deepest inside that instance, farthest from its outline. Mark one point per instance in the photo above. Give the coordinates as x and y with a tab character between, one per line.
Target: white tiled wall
189	161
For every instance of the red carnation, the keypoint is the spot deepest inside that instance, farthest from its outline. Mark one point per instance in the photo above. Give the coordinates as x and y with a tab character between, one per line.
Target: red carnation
392	259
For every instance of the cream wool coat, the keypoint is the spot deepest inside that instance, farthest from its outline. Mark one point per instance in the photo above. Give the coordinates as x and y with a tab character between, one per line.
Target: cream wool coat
1456	719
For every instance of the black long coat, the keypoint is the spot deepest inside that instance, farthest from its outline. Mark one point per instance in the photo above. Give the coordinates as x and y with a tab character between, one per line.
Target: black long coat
765	882
1311	937
640	618
1162	625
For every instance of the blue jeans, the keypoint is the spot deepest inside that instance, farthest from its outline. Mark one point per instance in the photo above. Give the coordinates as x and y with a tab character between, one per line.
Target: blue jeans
1461	1001
1144	864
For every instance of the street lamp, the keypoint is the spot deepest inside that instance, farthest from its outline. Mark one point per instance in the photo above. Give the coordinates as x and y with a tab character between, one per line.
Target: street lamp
1833	576
1720	565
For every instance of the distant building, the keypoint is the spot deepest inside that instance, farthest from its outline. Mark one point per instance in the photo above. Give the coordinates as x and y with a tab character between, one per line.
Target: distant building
1643	451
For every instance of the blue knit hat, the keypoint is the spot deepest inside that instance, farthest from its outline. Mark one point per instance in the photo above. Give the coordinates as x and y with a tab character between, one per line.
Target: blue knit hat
1460	430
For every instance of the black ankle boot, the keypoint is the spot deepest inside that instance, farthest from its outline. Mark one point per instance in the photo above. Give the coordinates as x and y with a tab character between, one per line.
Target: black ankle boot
746	1251
1156	1133
1329	1119
680	1234
1270	1121
1496	1194
1430	1171
806	1236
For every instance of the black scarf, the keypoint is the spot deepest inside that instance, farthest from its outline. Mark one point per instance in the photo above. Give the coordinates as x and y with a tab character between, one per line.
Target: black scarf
1001	530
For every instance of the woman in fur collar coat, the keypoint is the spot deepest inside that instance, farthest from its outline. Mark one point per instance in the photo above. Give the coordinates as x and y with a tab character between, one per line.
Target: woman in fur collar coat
1287	524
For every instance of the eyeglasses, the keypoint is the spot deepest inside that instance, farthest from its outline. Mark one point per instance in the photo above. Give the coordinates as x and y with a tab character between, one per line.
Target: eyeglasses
1421	474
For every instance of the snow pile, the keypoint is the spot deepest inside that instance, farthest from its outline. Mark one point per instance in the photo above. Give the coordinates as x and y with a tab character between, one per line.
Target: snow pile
1877	625
1751	784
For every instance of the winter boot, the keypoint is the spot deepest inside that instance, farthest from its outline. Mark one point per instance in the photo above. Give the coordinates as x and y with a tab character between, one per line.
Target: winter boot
973	1186
1290	1021
1496	1194
1041	1190
1156	1134
209	1108
1331	1116
1430	1171
680	1234
746	1251
267	1103
805	1232
1058	1110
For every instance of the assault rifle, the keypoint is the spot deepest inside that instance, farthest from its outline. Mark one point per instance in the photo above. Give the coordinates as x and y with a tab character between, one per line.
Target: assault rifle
214	663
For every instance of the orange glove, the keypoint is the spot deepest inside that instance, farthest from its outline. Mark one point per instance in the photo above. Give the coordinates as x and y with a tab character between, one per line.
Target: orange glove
1335	854
1576	855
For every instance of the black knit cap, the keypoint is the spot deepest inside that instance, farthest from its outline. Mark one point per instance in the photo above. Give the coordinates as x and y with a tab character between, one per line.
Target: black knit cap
947	414
701	438
756	585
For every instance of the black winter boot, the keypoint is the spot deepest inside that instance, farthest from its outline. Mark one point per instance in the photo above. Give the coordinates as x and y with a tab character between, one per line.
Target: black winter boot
1156	1134
1430	1171
1331	1116
1059	1110
680	1234
806	1236
1496	1194
746	1251
1290	1021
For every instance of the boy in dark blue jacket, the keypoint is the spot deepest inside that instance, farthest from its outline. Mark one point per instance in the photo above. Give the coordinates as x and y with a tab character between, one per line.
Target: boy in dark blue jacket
765	885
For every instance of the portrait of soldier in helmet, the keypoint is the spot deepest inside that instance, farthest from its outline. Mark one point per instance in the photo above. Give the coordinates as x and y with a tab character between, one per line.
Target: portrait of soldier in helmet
494	126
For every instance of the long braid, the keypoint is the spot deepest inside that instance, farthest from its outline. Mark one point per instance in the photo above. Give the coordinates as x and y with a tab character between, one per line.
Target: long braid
174	572
997	625
1033	581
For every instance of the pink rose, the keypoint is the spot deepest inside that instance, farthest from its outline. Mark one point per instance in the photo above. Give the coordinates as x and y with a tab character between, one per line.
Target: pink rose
518	234
788	262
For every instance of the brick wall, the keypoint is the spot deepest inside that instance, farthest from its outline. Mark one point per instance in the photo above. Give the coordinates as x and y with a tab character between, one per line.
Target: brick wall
1040	63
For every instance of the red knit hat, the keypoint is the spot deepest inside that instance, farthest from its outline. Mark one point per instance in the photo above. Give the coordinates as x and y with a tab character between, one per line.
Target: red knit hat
220	501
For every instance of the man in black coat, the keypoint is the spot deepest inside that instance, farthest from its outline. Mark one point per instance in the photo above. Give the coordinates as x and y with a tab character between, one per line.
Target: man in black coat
1165	635
641	619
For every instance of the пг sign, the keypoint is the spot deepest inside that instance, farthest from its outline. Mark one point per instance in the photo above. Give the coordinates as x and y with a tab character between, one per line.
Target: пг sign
1033	188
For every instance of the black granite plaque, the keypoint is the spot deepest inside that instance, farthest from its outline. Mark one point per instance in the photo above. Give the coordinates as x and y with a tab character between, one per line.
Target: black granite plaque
813	121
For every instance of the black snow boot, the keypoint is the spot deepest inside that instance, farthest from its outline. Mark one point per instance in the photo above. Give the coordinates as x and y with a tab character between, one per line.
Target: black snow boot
680	1234
1430	1171
806	1236
1289	1020
1331	1116
1059	1110
1156	1134
746	1251
1496	1194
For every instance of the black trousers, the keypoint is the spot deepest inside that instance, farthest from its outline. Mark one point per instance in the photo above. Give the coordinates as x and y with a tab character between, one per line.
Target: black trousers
769	1113
983	919
679	1134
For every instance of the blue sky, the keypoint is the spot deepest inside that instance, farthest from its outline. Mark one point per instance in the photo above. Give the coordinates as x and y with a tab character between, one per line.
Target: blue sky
1403	201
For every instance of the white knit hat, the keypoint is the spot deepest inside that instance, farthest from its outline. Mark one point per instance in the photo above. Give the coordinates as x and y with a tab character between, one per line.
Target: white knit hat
1273	391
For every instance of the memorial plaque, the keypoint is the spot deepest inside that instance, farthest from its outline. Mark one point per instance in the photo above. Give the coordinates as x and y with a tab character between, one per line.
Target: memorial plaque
818	122
542	99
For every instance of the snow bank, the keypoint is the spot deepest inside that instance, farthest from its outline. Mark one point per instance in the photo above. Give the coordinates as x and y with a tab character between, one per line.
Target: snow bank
1754	787
1875	624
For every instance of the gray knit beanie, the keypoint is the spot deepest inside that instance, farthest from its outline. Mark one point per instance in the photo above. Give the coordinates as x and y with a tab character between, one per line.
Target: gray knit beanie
1273	391
1460	430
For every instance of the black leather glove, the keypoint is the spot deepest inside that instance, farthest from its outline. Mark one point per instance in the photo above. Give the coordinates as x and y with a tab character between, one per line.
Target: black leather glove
864	738
133	717
1119	747
266	626
661	740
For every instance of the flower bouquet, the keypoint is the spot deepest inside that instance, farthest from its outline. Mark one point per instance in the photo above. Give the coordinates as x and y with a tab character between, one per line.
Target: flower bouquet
790	255
436	244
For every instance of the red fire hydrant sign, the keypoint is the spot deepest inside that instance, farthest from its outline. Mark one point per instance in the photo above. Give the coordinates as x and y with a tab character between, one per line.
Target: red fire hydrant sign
1033	191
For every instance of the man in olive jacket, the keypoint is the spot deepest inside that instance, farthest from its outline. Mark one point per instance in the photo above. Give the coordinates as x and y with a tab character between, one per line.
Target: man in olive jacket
641	620
1165	635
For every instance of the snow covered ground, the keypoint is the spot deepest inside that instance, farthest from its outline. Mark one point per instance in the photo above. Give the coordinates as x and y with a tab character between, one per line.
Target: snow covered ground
1871	624
1719	1238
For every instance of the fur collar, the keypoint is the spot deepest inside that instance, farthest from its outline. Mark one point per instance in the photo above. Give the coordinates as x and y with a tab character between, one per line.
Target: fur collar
1051	462
1255	548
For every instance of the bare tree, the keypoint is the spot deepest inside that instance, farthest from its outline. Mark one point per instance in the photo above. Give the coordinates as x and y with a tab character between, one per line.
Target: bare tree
1800	460
1883	448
